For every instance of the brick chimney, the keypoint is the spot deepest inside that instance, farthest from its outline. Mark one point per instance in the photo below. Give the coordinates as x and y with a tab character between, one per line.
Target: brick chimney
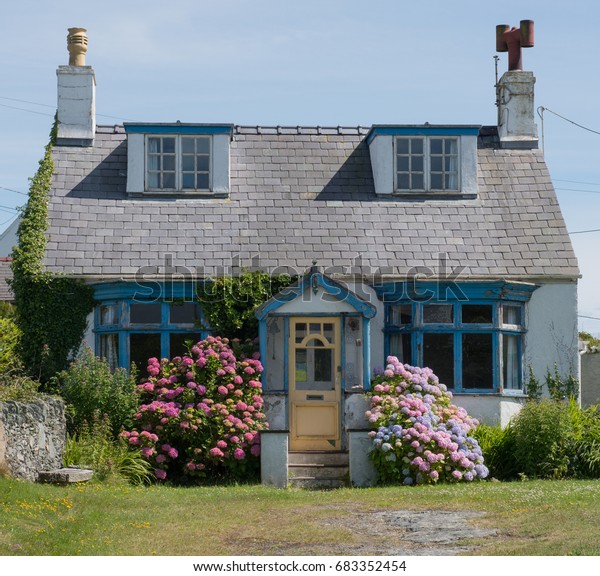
76	94
516	111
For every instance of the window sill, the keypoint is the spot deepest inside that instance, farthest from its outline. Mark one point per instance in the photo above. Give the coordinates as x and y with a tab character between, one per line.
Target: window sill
178	194
516	394
420	195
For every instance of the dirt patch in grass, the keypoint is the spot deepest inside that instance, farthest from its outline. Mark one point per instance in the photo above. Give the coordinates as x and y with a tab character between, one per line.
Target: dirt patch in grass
390	533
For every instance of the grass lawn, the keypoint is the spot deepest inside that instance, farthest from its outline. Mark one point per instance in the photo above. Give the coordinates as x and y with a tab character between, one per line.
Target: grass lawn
531	518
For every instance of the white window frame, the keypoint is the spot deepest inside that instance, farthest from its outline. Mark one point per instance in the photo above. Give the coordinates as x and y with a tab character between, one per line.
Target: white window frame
426	139
178	189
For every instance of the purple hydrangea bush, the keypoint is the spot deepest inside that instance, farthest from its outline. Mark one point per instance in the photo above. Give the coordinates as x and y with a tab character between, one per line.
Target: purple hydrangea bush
419	436
201	415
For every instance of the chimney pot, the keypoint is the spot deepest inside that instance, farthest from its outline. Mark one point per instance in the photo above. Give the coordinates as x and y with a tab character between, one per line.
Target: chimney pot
77	46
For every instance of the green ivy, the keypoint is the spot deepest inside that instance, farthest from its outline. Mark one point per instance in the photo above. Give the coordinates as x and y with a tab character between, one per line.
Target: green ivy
229	303
51	310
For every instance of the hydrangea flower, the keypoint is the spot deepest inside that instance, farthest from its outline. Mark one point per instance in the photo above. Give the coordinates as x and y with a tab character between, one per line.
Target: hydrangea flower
414	420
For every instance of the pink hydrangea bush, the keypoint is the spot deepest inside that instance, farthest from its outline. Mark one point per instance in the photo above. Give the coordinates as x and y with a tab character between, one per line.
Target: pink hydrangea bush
201	415
419	436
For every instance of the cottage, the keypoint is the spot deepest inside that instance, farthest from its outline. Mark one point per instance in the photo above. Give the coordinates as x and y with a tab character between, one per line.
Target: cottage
441	244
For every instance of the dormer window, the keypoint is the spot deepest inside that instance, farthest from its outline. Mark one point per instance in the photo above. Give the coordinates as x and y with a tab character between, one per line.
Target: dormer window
424	160
427	164
178	163
178	159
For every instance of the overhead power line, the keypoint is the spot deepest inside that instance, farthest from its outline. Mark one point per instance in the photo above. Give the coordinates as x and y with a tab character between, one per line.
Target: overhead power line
588	317
15	191
578	190
45	106
584	231
544	109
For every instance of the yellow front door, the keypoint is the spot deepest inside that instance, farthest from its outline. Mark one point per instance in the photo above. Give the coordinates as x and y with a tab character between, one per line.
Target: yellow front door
314	378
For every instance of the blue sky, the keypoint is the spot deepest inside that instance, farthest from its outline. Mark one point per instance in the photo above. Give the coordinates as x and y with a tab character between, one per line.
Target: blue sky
325	62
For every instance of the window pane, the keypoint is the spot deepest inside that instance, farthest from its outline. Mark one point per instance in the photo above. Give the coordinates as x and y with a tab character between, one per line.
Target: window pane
185	313
402	163
511	315
438	354
477	313
188	181
187	163
417	163
177	343
153	145
153	180
142	347
202	163
438	314
169	180
168	145
107	314
437	182
403	182
144	313
187	145
400	347
202	181
451	146
477	361
400	315
301	367
416	146
436	145
108	347
436	163
169	163
402	146
511	361
202	145
417	182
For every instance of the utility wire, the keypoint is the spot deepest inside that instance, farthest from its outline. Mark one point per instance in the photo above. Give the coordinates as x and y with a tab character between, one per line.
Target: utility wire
585	231
8	207
589	317
25	110
15	191
577	182
578	190
544	109
46	106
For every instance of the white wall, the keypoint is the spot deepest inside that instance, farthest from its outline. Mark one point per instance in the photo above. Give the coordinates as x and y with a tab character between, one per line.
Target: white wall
551	337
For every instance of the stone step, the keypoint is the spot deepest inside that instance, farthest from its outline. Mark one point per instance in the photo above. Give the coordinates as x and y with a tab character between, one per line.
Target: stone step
65	475
317	471
310	482
318	458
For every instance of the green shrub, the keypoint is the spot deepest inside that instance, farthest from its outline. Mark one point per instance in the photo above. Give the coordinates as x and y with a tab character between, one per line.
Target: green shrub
498	448
16	387
561	388
9	340
89	387
95	447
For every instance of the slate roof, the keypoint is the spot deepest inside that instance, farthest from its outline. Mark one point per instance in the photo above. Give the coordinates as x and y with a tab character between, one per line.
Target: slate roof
304	194
5	274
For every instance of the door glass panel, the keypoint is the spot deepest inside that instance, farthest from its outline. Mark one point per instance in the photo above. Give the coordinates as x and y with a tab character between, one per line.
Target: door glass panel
301	368
477	364
328	332
438	354
177	343
323	365
300	332
315	328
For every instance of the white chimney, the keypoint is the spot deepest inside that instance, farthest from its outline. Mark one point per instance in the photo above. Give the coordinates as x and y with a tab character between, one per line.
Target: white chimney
76	94
516	118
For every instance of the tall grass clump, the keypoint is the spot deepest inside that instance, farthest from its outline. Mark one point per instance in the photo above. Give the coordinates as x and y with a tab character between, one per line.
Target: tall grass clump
94	447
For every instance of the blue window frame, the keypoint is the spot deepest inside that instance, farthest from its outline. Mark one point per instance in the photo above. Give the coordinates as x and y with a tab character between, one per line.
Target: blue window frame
471	337
132	325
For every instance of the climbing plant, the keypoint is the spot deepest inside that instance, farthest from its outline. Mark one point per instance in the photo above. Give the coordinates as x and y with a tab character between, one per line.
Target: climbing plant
51	310
228	303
